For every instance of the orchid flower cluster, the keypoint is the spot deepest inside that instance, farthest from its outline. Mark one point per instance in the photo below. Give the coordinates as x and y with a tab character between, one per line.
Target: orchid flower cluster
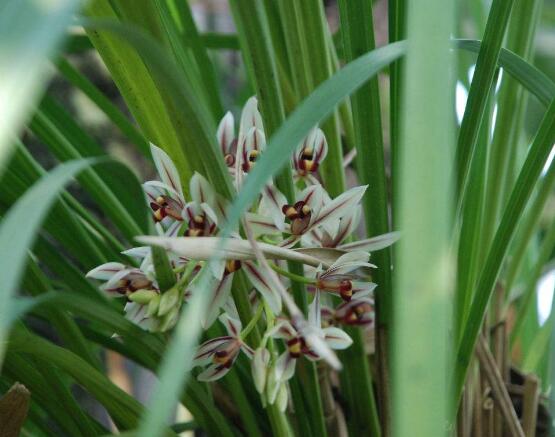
312	228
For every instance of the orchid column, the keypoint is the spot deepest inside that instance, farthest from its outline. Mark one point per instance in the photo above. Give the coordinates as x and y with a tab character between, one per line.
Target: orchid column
423	283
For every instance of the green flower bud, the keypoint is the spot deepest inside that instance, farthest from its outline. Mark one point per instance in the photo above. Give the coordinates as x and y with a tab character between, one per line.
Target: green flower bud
142	297
168	301
153	306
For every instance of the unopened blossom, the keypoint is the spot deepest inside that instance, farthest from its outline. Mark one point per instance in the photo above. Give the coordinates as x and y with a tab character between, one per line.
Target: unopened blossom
219	354
346	276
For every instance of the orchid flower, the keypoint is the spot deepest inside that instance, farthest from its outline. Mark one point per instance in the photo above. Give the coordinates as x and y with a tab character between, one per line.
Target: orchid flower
130	282
344	276
356	312
121	280
166	196
309	212
298	345
310	154
219	354
227	140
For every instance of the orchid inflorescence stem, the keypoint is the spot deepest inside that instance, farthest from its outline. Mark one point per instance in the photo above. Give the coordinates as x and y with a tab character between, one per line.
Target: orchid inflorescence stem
292	276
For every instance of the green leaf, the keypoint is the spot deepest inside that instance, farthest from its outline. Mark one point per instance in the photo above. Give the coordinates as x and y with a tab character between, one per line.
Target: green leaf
19	228
358	38
531	170
480	88
421	394
104	104
123	409
30	32
163	268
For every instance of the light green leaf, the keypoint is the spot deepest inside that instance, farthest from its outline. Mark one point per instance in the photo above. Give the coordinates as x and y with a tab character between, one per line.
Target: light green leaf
30	31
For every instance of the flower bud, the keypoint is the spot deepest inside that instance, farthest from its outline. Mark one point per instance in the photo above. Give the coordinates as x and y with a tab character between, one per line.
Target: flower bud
170	319
153	306
142	297
259	368
282	397
272	385
168	301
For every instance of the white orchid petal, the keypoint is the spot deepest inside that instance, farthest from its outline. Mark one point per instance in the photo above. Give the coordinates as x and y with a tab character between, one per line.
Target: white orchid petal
153	189
320	145
105	271
272	204
213	372
351	257
261	282
138	252
361	289
201	190
336	208
314	311
166	169
219	297
374	243
232	325
250	117
261	225
285	367
207	349
315	341
259	367
313	196
336	338
225	132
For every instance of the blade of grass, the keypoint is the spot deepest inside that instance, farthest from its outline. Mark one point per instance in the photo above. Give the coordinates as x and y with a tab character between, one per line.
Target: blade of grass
531	170
358	38
191	37
529	76
396	10
480	89
421	393
510	116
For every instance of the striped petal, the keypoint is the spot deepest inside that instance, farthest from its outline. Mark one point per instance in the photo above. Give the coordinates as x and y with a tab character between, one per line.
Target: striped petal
335	209
374	243
285	367
271	205
233	326
201	190
105	271
250	117
166	169
262	283
207	349
219	297
213	373
336	338
226	132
